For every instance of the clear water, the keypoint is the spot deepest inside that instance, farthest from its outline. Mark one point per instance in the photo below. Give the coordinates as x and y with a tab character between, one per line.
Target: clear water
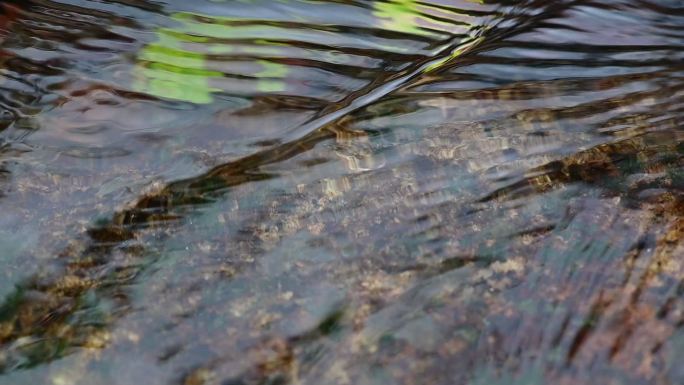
341	192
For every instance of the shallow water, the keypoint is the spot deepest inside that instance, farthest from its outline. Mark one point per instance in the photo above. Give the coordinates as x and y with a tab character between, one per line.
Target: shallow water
341	192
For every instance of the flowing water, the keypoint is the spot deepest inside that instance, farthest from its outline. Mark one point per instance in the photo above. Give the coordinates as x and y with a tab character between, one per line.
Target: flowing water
341	192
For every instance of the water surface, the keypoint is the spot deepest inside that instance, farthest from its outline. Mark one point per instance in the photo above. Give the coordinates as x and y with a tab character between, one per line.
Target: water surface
341	192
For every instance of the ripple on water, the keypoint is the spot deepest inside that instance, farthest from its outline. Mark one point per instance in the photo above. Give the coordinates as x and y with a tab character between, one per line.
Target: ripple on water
326	192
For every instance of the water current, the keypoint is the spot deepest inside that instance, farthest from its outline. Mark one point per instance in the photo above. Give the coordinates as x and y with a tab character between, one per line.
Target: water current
480	192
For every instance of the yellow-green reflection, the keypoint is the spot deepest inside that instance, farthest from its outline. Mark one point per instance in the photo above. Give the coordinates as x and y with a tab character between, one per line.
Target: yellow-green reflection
193	60
399	16
411	17
177	65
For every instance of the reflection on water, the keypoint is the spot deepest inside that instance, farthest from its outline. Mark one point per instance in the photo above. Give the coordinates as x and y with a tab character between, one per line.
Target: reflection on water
328	192
308	55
